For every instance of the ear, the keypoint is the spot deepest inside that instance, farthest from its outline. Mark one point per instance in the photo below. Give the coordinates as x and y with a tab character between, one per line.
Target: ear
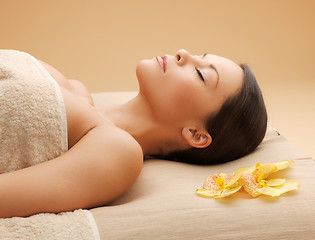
196	138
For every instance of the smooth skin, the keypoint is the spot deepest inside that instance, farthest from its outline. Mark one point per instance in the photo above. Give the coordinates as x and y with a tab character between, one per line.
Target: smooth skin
106	146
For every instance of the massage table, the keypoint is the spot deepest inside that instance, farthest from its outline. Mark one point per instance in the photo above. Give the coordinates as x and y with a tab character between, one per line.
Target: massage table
162	203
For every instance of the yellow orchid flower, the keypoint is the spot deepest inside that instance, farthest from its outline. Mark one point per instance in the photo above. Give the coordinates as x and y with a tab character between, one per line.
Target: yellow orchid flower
220	185
252	179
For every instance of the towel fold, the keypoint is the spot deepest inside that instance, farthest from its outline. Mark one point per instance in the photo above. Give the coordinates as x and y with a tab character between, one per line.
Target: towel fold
33	123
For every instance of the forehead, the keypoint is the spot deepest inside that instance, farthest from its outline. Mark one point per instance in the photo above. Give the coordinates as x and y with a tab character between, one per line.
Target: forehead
224	63
231	75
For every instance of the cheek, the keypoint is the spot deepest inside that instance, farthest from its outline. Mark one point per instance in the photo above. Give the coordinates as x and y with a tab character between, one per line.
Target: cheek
172	96
187	99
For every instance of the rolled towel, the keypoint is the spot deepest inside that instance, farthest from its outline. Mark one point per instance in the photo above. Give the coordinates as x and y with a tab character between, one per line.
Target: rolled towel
33	123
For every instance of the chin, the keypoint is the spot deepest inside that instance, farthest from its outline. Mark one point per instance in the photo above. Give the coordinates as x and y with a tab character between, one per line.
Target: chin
147	71
140	66
143	65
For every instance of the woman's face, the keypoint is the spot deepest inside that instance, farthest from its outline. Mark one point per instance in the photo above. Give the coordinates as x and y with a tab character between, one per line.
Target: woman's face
187	87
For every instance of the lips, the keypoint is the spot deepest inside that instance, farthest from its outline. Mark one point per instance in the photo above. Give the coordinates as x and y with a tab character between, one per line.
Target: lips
162	62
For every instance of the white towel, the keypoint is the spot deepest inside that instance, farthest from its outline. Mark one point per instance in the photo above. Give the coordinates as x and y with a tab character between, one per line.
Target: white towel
77	225
33	129
33	123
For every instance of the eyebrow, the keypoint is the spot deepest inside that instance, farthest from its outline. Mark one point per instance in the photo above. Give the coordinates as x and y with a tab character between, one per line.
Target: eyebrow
214	68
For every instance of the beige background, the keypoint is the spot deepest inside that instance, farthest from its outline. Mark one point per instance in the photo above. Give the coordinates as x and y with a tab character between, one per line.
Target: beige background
100	43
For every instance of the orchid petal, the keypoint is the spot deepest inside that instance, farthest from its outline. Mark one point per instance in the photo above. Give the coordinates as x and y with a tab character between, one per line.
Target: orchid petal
207	193
289	185
249	184
210	182
275	182
263	171
235	177
269	191
228	191
277	191
282	165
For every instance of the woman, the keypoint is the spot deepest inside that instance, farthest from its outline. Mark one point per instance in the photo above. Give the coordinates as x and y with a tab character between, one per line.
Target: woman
188	107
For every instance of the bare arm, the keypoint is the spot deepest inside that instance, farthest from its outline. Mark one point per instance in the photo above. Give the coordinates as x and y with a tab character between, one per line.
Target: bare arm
95	171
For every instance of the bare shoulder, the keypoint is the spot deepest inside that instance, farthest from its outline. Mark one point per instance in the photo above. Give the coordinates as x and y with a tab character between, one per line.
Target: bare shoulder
117	144
117	139
111	158
112	148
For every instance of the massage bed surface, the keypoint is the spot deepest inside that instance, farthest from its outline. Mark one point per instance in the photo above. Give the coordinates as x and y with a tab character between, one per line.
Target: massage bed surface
162	204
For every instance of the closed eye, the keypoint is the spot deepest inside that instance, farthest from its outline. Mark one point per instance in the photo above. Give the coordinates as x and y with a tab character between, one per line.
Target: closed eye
200	74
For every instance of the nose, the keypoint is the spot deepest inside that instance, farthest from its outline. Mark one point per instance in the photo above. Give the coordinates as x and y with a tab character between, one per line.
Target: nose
182	56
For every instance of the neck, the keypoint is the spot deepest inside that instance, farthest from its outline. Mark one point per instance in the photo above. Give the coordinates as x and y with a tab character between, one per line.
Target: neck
136	118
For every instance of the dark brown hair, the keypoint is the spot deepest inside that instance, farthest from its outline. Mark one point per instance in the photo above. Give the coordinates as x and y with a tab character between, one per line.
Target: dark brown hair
236	129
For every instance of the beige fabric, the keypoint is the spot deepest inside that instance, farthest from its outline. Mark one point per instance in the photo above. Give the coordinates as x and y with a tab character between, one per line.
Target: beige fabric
32	130
32	113
162	204
70	225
